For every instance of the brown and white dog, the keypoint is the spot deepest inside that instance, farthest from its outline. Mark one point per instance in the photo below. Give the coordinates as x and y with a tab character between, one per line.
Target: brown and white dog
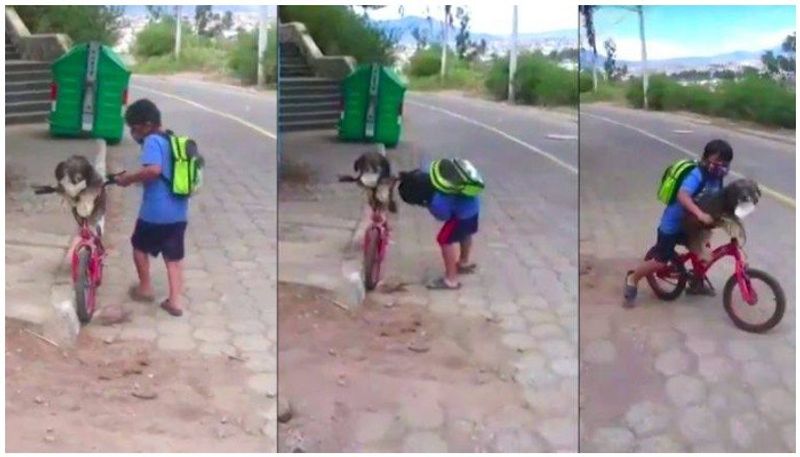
81	187
374	175
728	207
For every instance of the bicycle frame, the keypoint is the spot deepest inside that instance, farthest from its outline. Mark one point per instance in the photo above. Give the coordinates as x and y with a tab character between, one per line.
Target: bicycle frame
732	249
379	221
89	239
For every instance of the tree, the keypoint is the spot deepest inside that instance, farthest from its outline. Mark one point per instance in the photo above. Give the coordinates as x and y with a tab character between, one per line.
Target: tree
421	37
227	20
587	12
203	15
770	63
81	22
787	62
462	37
156	12
610	63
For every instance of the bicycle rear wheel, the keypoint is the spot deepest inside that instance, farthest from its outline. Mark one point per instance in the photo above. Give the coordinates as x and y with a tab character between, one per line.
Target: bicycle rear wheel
668	283
767	291
84	289
372	260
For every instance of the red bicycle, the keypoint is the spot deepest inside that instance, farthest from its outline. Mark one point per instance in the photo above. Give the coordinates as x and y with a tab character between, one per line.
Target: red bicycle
669	282
376	242
88	254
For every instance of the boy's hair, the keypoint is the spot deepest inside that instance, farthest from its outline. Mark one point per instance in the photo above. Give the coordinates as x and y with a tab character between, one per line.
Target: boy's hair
415	187
718	147
142	111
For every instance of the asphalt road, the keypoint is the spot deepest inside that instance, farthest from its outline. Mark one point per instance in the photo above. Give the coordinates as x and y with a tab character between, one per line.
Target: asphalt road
678	376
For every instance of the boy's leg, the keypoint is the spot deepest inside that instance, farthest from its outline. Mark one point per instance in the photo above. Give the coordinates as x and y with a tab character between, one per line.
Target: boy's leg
141	241
175	278
665	250
468	228
466	249
450	254
173	252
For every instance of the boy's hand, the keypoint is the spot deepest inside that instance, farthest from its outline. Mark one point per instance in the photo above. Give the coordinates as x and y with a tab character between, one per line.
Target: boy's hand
123	180
705	218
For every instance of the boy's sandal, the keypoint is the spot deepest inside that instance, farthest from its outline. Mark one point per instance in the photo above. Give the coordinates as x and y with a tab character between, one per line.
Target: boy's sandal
165	305
441	284
467	269
629	292
136	295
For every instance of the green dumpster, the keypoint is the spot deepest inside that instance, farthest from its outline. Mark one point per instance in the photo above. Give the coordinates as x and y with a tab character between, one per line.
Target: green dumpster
89	93
372	105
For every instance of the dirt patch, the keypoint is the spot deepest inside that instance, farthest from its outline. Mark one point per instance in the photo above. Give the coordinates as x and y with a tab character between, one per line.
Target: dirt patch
124	397
339	369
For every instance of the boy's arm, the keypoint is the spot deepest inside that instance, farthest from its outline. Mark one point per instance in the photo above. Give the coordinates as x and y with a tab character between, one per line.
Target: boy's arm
690	186
146	173
151	160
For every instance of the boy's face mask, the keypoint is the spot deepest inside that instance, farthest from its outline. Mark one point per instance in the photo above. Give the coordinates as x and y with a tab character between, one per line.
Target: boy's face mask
717	169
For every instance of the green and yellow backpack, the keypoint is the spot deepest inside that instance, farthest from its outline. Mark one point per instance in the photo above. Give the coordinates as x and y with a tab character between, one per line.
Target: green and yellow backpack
456	177
187	165
673	177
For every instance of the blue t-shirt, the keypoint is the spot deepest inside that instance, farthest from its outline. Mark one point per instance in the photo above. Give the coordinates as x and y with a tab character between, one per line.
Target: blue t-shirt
159	204
445	207
672	219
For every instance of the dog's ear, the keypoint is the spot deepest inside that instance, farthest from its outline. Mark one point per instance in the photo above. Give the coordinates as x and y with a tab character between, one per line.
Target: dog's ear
59	173
358	165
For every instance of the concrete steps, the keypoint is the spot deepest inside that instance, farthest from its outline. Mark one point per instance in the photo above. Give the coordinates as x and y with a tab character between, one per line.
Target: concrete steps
305	102
27	88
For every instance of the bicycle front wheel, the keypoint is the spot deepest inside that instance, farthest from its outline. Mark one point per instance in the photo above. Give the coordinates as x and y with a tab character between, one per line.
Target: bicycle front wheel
768	301
372	260
84	289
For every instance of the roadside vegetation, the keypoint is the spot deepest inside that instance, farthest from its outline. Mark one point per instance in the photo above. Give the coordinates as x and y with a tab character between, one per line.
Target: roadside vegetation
540	79
212	46
765	96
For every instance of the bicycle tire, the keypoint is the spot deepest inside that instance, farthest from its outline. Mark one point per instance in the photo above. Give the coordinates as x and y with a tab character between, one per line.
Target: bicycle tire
84	290
372	259
777	290
661	292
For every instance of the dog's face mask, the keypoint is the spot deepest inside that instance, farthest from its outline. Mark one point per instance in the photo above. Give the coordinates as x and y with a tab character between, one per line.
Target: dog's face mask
370	179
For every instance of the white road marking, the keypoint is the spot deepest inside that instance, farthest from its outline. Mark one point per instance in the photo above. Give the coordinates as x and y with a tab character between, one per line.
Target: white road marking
785	199
505	135
682	131
210	110
558	136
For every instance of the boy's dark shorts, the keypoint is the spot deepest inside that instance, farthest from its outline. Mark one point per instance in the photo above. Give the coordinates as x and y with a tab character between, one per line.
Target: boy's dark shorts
665	245
457	230
155	239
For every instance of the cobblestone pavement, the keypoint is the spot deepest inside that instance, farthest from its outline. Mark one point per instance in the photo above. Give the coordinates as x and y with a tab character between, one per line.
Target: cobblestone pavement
230	265
526	282
675	376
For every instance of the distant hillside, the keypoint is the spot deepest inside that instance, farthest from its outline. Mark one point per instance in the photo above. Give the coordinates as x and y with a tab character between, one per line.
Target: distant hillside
684	63
404	27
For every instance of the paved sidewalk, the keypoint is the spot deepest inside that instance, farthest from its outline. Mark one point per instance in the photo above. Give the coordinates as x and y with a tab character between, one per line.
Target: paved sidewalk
526	282
38	228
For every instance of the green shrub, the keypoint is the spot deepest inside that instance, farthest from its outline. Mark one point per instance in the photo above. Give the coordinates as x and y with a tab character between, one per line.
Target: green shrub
198	59
497	79
753	98
461	77
758	99
338	30
586	83
158	38
538	81
82	23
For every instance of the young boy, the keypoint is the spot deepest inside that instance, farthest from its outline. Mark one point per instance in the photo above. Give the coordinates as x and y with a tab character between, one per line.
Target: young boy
707	177
460	216
162	219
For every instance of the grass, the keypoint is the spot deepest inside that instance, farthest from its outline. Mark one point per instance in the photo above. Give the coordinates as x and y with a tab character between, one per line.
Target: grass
465	79
204	60
606	92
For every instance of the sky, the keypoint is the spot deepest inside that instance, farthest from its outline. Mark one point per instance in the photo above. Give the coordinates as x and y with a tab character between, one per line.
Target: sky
495	18
694	31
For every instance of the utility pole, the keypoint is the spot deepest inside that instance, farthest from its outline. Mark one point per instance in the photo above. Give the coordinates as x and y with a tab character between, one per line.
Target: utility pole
262	44
512	61
444	41
177	32
640	10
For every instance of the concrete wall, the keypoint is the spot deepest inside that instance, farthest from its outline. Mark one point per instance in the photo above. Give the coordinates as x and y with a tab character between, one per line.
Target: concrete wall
333	67
45	47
